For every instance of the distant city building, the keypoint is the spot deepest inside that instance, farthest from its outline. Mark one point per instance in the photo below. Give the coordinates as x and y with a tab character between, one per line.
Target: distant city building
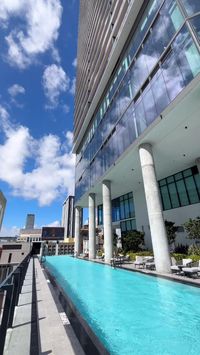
2	207
68	217
11	254
30	221
29	233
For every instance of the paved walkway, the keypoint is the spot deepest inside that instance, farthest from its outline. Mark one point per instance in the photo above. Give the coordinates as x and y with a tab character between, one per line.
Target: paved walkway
41	314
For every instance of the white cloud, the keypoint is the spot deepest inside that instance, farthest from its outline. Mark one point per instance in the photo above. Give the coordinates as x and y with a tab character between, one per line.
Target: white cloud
15	90
53	172
74	63
73	87
37	31
69	136
55	81
54	224
9	231
66	108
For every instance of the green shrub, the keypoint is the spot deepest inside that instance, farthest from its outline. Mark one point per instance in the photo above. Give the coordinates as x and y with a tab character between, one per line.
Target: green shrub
133	240
140	253
194	250
192	227
194	257
99	252
179	256
171	230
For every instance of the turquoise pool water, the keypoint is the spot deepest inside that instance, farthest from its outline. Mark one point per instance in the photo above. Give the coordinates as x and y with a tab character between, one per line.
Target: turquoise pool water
132	313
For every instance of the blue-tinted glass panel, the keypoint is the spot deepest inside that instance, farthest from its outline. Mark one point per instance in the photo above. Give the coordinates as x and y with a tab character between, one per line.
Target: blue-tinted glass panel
173	195
172	16
140	116
182	193
191	6
165	198
172	76
197	180
187	55
149	106
195	22
160	93
191	189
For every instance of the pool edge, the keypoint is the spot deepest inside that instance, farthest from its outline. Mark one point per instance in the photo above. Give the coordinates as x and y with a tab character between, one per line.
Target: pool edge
87	338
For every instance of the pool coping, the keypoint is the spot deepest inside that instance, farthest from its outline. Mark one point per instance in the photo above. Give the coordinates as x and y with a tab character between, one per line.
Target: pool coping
170	277
89	341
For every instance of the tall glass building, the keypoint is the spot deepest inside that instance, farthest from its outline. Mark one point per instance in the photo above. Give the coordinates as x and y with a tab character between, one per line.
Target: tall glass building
137	126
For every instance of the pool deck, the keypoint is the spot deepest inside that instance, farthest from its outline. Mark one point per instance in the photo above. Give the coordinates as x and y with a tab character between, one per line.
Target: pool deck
40	324
131	267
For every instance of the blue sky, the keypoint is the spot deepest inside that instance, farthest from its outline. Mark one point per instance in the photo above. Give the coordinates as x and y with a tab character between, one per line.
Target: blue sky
38	40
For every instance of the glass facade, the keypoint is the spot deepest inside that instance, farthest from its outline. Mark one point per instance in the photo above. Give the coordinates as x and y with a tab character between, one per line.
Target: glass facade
181	189
122	209
161	60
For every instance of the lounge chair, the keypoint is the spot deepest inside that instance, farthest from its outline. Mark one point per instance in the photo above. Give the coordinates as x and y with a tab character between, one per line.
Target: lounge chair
150	263
177	269
192	271
139	261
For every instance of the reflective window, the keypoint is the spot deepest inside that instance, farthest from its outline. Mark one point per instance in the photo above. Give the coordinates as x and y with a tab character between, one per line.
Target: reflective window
181	189
160	92
122	208
127	226
195	22
191	6
100	214
142	95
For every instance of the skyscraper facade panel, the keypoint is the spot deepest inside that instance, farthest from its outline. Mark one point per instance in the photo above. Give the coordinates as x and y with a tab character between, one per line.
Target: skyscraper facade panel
147	114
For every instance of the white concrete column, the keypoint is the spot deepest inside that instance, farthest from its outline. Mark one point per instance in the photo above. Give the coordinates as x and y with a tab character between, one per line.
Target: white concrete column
56	249
197	161
77	245
92	227
154	208
107	221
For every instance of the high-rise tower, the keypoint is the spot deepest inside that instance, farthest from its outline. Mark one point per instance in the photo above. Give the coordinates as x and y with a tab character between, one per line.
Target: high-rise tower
136	126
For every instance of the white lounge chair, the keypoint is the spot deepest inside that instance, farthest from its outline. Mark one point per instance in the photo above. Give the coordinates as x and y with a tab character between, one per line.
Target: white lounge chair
177	268
139	261
192	271
150	263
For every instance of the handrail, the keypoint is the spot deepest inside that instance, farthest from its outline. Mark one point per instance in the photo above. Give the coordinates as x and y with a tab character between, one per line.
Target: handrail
11	274
10	289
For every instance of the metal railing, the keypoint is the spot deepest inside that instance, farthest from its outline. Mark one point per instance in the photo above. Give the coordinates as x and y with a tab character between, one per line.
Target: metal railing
10	290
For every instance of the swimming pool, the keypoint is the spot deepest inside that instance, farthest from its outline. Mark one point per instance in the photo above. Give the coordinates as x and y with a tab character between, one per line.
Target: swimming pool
131	313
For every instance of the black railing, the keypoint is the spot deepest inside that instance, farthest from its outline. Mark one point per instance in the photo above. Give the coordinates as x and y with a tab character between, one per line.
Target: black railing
10	290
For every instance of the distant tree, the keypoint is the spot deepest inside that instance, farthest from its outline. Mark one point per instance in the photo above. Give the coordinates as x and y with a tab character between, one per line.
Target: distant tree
133	241
192	227
171	230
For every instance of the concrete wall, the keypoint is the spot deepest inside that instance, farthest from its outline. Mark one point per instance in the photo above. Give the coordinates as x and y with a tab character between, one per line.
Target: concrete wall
17	254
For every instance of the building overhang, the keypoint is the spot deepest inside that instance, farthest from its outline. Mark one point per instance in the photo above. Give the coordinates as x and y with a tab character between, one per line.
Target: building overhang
125	29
